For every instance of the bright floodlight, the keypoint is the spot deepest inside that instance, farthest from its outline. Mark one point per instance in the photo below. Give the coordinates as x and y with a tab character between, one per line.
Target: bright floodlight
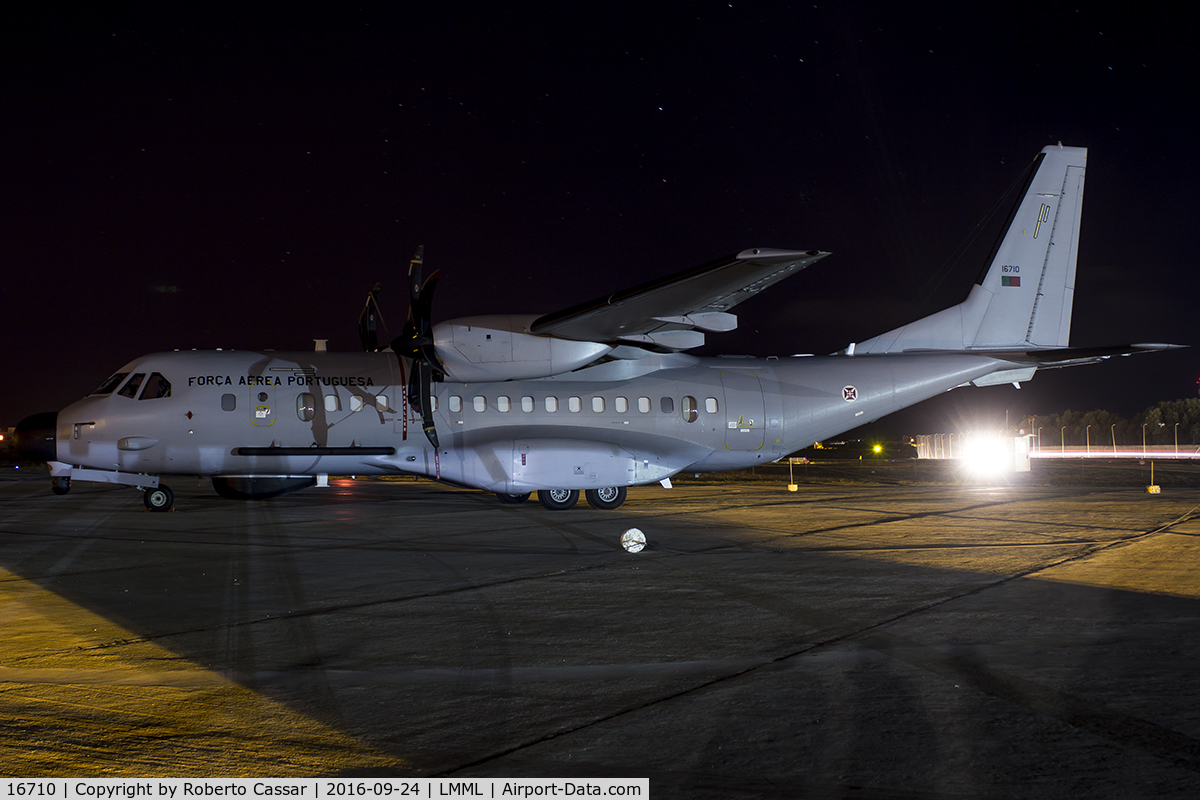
984	455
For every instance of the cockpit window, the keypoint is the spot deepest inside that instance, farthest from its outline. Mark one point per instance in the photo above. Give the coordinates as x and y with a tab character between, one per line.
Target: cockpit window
157	386
110	384
130	389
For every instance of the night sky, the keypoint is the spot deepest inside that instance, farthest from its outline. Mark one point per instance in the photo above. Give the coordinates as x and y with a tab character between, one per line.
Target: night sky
241	177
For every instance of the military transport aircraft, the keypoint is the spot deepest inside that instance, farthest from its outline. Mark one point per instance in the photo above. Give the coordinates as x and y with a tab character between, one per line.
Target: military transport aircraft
595	398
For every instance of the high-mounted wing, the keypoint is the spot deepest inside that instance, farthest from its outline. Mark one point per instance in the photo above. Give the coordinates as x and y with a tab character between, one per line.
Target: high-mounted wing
667	311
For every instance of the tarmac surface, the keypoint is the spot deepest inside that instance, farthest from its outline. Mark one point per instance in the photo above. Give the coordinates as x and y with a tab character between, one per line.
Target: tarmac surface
844	640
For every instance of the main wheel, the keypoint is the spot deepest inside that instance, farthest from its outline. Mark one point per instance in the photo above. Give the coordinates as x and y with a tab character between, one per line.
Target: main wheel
512	499
160	499
60	485
558	499
606	498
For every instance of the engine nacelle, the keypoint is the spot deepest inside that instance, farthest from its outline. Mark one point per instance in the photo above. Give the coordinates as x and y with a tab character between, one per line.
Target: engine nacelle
501	348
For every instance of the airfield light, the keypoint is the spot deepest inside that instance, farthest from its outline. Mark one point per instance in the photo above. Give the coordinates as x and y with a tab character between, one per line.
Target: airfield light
986	455
877	449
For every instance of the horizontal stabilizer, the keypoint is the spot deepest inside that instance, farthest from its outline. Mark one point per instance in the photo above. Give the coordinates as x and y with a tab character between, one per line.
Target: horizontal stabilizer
1049	358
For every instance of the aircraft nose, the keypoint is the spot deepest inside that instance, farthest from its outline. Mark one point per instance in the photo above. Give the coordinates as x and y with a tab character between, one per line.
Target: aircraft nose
35	437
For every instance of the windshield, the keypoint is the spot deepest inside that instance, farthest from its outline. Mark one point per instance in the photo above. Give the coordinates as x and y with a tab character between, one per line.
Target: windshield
156	386
130	389
110	384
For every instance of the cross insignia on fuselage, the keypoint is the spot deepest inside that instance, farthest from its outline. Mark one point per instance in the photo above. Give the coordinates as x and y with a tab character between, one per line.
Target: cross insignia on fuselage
850	394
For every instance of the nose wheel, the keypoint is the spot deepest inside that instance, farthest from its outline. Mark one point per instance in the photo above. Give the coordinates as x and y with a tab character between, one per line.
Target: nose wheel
160	498
60	485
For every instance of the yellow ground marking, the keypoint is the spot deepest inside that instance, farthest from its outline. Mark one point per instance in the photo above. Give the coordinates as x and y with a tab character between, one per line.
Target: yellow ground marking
73	706
1163	564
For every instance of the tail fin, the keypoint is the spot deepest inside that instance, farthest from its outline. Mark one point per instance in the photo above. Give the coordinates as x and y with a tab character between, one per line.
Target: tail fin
1024	299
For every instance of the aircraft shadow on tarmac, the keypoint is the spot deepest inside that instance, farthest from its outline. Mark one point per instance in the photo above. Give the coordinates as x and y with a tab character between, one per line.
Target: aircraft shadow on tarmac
740	650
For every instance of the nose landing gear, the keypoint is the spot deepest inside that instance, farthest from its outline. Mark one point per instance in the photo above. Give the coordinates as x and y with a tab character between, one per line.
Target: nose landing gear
60	485
160	498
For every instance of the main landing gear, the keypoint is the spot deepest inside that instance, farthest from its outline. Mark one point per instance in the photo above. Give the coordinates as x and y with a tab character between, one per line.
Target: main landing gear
558	499
606	498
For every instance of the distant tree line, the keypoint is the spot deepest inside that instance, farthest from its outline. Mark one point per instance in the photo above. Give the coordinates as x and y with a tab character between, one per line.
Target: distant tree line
1163	423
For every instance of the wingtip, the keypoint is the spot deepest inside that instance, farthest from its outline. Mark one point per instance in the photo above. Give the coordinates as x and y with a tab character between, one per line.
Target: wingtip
777	254
1159	346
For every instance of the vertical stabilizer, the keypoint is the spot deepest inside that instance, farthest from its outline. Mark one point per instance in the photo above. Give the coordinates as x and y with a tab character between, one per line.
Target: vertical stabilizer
1024	299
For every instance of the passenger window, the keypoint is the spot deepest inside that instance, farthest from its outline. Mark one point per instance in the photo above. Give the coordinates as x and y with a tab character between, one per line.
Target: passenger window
433	402
527	404
333	402
552	404
574	405
229	402
157	386
381	402
621	404
710	405
644	405
688	408
455	403
480	403
503	404
130	389
598	405
356	402
667	404
306	406
111	383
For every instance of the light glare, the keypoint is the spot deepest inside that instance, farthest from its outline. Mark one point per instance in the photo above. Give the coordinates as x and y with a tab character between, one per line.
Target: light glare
986	455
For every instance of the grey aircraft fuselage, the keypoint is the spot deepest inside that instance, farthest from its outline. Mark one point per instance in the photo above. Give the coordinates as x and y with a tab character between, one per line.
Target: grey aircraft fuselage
621	423
580	399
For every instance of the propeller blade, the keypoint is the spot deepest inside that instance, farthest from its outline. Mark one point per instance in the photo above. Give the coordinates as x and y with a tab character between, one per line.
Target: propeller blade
416	342
425	385
414	277
368	322
419	389
414	389
424	301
